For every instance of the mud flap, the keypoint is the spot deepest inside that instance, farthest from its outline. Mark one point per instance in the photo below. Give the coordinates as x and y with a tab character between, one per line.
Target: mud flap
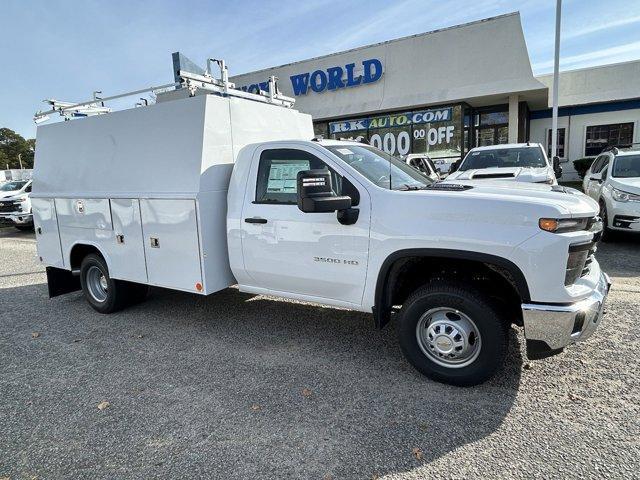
61	281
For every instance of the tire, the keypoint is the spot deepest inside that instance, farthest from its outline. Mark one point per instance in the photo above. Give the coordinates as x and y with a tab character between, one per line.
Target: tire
103	293
607	234
438	320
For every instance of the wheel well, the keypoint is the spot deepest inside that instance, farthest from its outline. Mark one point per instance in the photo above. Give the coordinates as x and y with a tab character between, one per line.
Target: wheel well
501	280
78	252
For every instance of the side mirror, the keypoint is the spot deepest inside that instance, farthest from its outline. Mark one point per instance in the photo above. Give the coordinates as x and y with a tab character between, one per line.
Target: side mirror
315	194
557	169
454	166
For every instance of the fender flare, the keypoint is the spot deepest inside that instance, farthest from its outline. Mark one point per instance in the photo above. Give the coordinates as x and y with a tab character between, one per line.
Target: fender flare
87	243
381	308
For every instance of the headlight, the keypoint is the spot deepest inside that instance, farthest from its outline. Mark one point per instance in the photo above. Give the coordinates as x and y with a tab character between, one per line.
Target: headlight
562	225
22	199
620	196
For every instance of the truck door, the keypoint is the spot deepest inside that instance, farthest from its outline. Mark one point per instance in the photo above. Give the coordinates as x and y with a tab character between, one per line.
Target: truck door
45	222
310	254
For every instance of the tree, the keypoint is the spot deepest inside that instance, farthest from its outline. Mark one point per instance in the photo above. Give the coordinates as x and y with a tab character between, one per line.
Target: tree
14	146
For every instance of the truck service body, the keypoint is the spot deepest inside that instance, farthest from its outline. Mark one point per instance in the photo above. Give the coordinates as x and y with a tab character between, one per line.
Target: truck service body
204	190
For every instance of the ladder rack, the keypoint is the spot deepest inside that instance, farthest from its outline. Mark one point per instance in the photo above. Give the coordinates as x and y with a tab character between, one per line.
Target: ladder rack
192	82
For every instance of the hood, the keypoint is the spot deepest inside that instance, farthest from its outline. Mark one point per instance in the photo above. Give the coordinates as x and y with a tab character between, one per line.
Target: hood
518	174
629	185
10	193
568	201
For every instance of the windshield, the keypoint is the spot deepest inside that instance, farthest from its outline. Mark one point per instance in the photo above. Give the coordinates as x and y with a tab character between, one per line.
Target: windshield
380	168
626	166
504	157
8	187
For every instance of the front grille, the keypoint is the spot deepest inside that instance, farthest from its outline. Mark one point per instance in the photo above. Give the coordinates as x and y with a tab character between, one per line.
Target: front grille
590	259
580	260
6	207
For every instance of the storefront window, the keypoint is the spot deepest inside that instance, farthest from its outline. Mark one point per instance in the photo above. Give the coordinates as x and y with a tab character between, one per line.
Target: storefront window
494	118
436	132
600	136
559	145
321	129
491	127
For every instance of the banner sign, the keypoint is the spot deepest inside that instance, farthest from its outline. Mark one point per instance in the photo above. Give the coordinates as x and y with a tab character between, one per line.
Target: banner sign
392	121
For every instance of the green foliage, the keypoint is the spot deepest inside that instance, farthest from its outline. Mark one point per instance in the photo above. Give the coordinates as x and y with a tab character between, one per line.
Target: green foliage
13	144
582	165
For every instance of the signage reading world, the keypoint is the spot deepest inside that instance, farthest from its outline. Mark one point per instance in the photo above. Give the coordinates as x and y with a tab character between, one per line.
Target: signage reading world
390	121
333	78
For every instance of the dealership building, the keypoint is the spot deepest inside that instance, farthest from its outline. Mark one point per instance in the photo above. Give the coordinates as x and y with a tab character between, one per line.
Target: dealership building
446	91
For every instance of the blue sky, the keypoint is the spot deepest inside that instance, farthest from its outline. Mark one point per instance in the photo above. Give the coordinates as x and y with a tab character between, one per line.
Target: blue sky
67	49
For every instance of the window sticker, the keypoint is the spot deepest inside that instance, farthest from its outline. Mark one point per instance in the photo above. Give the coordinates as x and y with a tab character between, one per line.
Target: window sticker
283	175
344	151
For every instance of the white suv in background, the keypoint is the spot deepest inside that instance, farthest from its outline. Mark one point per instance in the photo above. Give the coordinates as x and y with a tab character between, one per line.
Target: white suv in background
613	180
520	162
15	204
424	165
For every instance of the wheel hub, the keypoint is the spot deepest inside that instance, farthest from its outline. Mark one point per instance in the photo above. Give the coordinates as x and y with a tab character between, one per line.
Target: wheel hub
448	337
97	283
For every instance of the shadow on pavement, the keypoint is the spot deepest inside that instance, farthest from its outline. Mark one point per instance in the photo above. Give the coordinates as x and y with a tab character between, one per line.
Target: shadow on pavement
227	386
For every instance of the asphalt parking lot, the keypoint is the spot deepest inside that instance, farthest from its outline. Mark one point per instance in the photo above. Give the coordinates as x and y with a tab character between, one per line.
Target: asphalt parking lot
240	386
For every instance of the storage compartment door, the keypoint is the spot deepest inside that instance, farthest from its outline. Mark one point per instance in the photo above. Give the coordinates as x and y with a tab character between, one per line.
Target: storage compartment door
127	252
171	244
47	235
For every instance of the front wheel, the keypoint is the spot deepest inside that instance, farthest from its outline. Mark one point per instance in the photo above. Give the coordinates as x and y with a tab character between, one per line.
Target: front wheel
451	334
604	216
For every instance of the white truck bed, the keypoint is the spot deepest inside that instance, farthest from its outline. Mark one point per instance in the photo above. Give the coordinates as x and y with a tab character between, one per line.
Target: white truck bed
154	182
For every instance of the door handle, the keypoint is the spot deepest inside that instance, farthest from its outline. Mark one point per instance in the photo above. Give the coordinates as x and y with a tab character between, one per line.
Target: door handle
255	220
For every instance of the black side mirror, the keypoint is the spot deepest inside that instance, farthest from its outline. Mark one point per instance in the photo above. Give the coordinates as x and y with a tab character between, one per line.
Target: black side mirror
557	169
454	166
315	193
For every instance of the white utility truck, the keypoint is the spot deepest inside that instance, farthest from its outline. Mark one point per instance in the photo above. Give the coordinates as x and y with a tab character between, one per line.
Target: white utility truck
213	186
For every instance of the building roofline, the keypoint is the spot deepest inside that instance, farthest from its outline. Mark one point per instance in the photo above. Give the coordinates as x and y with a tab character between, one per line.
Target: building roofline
385	42
595	67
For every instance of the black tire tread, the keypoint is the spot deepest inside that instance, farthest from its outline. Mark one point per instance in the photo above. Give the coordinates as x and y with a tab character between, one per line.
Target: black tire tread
117	296
465	376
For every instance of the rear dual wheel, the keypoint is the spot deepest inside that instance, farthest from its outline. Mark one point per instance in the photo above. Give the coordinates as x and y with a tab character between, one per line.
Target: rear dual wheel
105	294
452	334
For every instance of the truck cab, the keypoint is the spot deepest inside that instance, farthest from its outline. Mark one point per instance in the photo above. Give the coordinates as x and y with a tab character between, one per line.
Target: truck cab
375	235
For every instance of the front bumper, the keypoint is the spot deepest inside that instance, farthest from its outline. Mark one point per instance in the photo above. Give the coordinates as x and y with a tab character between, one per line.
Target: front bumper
624	216
16	218
550	328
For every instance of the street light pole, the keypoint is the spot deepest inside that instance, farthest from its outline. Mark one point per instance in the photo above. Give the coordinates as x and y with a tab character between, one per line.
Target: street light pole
20	160
556	81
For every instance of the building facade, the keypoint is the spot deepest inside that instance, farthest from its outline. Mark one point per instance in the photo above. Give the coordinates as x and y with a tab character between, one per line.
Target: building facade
446	91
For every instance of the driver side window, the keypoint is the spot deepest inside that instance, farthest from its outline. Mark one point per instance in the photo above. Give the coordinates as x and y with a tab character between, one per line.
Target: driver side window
277	176
599	163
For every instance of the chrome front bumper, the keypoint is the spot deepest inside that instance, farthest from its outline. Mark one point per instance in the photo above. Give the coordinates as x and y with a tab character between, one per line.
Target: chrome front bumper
16	218
550	328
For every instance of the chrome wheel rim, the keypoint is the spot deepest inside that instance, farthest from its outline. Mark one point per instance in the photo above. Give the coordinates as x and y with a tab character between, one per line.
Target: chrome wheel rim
97	284
448	337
